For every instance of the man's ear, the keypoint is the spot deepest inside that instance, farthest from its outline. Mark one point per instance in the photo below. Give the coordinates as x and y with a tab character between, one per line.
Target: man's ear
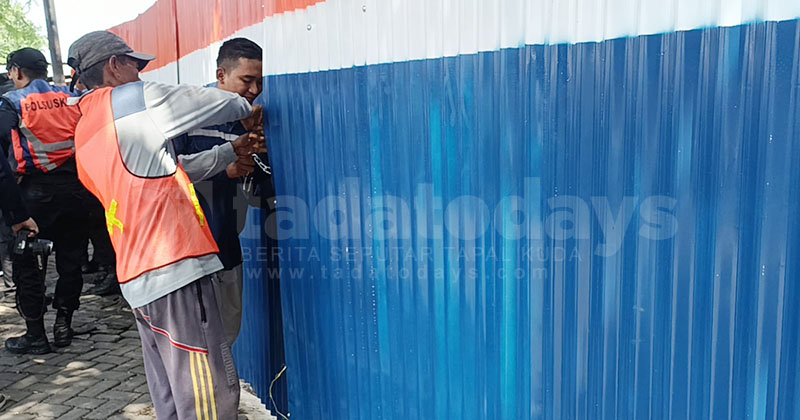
110	72
220	75
113	65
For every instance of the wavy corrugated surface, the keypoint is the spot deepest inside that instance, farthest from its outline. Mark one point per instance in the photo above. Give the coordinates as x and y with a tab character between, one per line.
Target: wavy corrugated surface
648	268
700	324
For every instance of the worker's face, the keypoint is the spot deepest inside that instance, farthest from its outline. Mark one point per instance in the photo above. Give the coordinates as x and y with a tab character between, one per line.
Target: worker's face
243	78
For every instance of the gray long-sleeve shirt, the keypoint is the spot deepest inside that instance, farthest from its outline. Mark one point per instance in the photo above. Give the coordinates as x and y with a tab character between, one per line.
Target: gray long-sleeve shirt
208	163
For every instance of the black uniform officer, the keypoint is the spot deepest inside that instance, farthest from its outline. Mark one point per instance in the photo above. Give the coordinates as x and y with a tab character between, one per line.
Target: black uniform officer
41	127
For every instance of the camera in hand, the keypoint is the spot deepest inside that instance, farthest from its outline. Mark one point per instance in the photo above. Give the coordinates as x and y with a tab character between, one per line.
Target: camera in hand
26	245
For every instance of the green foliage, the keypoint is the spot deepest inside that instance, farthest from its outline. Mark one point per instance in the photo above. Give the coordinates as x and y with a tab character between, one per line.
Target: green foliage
16	30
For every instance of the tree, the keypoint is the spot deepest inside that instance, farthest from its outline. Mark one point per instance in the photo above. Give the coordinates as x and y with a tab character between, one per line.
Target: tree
16	30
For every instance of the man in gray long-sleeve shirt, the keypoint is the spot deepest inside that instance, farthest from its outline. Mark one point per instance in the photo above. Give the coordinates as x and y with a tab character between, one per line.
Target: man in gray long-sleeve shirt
166	256
238	71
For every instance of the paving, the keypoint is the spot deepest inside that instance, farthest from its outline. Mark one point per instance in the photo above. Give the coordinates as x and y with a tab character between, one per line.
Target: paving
99	376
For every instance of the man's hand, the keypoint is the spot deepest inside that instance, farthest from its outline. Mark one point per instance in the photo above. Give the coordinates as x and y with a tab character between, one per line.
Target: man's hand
241	168
250	143
255	122
29	224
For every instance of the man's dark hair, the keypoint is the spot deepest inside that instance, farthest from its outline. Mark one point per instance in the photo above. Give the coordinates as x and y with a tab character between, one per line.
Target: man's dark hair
34	74
93	76
234	49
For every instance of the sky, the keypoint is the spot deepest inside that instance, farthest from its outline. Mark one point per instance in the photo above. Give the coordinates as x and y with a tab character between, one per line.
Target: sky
77	17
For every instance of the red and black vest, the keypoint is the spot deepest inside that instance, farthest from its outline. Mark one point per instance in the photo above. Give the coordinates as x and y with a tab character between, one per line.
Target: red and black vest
43	141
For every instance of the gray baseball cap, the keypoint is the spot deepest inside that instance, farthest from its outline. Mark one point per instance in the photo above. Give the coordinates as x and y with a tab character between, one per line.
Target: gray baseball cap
99	46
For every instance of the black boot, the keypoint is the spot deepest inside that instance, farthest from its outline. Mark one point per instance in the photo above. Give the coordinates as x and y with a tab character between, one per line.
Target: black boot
89	267
62	328
33	342
107	286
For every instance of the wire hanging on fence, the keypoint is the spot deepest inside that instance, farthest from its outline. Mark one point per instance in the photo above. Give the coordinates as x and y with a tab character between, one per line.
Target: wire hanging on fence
275	406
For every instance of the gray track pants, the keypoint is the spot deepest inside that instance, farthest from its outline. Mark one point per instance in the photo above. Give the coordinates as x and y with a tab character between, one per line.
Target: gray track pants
230	299
187	359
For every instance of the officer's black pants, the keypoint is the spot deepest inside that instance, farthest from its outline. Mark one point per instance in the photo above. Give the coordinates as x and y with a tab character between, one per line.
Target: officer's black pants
58	205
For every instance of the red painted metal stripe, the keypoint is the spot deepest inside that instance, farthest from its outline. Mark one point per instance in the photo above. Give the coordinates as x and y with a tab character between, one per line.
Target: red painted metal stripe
200	23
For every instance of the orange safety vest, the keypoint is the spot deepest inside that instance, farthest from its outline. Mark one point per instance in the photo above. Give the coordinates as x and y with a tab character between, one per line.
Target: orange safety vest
43	140
152	222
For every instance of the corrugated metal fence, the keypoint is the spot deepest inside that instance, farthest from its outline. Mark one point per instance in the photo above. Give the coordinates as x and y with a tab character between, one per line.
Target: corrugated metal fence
475	227
648	268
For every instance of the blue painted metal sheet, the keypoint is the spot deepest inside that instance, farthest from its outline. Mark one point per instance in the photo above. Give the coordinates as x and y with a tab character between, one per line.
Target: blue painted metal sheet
647	270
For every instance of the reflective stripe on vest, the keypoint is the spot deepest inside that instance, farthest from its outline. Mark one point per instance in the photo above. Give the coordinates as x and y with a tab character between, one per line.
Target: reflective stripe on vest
201	217
152	222
111	219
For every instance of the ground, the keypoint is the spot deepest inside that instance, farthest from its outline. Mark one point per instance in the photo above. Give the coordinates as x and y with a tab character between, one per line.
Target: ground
99	376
